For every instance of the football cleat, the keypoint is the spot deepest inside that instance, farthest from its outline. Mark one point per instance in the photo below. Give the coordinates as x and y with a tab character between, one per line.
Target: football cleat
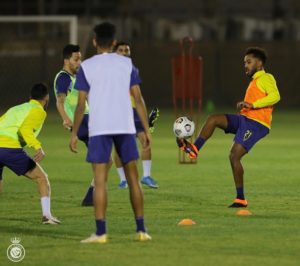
187	147
50	220
95	239
239	203
153	116
149	181
123	184
142	236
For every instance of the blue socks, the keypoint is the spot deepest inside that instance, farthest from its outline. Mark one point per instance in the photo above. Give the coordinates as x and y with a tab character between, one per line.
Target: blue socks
100	227
199	142
240	193
140	224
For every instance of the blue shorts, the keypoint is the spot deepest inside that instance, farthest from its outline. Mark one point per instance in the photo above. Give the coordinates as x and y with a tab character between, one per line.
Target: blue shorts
83	131
16	160
247	131
137	122
100	147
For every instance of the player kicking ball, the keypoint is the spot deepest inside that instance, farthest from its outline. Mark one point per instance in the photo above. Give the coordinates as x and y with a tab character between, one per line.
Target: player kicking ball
249	126
107	80
19	127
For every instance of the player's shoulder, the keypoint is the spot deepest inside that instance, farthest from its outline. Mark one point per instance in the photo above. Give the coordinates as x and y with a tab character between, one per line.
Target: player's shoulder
267	77
63	75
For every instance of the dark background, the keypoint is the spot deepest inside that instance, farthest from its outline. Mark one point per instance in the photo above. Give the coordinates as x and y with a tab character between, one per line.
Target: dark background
221	29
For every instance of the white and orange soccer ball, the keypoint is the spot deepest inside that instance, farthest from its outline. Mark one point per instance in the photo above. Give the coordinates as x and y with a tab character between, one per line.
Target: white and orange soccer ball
183	127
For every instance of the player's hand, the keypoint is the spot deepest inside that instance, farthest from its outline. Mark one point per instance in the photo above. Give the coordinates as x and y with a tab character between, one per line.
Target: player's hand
241	105
67	124
187	147
39	155
73	143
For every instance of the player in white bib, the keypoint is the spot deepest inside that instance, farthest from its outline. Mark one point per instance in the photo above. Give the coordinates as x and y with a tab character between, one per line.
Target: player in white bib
107	80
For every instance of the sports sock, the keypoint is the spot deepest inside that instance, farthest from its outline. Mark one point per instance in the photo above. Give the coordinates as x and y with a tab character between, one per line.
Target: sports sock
240	193
199	142
140	227
100	227
45	202
147	167
121	174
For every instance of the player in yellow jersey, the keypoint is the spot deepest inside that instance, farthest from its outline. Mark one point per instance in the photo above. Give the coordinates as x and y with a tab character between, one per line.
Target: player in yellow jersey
19	127
251	124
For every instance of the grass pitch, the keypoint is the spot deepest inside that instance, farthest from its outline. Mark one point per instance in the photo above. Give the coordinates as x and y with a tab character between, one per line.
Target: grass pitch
271	236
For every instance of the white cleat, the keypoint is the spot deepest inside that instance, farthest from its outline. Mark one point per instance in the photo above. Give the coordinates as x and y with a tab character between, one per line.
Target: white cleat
95	239
142	236
50	220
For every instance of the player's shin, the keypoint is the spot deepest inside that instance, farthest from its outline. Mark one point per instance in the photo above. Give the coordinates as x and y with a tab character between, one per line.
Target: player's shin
136	194
100	197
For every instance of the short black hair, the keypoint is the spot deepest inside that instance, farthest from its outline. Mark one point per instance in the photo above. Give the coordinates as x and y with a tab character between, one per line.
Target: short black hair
105	34
69	49
39	91
257	52
120	44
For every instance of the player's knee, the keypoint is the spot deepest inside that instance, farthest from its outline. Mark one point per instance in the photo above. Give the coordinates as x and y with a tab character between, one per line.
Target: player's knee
212	119
233	157
42	179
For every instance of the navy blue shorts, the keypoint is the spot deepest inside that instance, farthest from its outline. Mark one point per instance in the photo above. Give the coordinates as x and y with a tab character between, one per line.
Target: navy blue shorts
83	131
247	131
100	147
16	160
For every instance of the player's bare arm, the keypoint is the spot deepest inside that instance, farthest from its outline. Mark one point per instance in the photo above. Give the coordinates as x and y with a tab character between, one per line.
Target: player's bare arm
142	112
60	101
78	116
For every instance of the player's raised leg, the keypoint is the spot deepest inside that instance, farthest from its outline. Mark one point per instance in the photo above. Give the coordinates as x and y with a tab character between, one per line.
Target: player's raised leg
212	122
38	175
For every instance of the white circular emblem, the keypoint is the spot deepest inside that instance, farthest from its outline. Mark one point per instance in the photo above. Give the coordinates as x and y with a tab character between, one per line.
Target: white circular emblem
15	252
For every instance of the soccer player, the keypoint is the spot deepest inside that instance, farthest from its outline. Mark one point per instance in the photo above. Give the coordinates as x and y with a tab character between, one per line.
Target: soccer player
107	79
123	48
19	127
66	101
249	126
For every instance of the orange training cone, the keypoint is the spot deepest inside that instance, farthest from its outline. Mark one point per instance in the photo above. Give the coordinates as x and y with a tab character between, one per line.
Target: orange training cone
186	222
243	213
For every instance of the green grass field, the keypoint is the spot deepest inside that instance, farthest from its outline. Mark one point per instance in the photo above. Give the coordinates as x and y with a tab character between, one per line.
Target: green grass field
271	236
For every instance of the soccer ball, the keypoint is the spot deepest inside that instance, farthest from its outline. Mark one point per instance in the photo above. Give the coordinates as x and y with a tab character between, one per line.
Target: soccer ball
183	127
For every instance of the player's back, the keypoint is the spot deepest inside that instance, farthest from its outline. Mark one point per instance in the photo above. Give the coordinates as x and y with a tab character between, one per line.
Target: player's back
108	76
